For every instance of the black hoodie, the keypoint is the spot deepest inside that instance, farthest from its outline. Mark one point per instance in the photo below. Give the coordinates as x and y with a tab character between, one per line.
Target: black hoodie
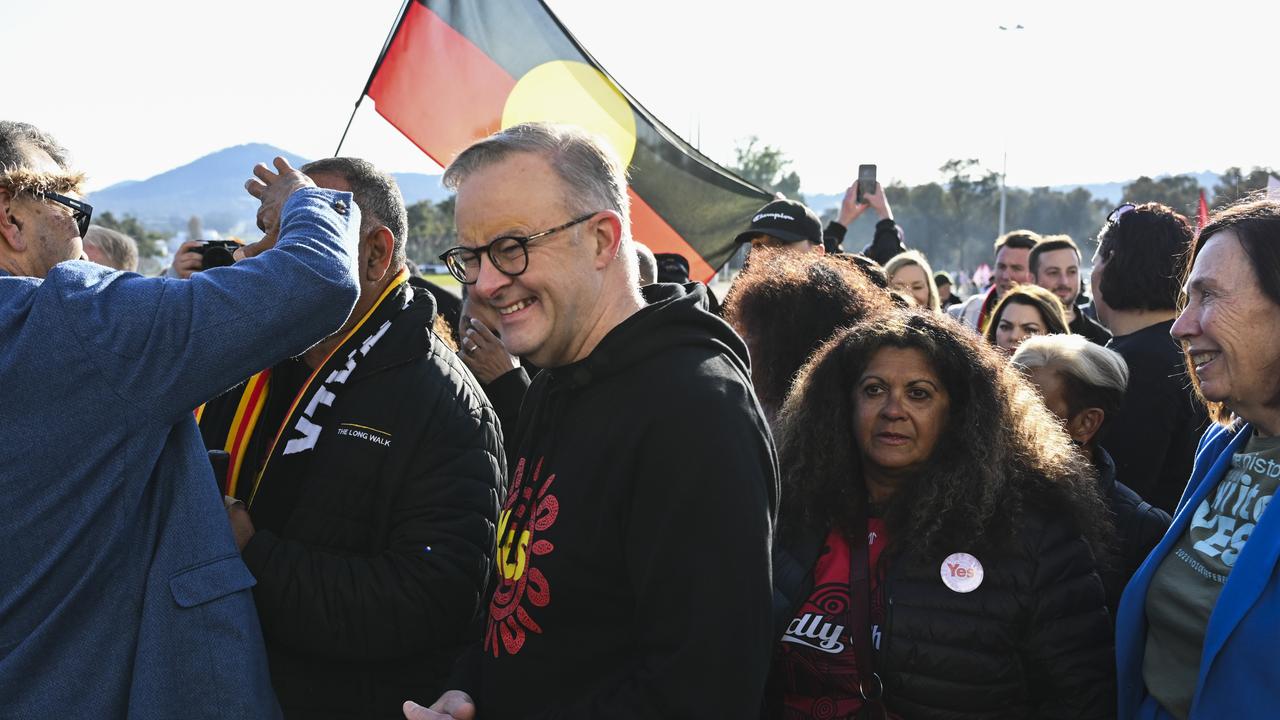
641	509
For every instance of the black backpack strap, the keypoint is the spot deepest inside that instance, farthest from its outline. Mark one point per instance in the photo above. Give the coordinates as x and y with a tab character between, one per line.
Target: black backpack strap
794	558
795	554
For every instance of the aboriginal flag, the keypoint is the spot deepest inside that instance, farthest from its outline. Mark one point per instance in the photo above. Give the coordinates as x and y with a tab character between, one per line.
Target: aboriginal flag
455	71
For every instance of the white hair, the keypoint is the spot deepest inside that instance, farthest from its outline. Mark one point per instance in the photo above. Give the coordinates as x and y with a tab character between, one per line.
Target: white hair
1077	358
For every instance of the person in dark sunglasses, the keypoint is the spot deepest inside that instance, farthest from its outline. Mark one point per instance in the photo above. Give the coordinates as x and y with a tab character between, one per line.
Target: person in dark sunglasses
43	223
119	565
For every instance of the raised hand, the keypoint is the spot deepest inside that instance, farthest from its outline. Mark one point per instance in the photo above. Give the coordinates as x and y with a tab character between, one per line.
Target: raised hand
272	189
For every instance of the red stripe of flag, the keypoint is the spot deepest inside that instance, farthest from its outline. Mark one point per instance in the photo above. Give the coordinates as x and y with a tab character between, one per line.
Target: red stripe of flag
435	84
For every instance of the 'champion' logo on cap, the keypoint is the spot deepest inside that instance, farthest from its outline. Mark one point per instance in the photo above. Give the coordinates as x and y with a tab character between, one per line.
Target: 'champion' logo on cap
779	216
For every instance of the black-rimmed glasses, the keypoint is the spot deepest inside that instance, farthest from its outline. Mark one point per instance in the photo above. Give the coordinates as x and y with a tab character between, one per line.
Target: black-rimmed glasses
80	210
1119	212
509	254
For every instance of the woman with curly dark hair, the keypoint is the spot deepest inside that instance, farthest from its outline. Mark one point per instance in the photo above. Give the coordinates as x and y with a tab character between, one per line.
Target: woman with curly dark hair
785	305
936	554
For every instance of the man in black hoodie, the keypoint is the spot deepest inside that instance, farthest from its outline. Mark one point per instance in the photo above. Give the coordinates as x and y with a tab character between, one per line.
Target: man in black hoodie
633	550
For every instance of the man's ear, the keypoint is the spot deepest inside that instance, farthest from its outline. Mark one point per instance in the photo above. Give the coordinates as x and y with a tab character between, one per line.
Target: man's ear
606	233
379	247
1085	425
10	232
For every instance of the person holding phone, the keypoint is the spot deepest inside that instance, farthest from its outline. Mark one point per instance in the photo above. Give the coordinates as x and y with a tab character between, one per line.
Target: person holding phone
866	192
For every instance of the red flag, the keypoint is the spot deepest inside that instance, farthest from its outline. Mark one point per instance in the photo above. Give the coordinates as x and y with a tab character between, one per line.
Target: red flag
1202	216
455	71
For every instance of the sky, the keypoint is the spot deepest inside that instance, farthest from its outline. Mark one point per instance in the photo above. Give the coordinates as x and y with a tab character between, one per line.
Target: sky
1085	92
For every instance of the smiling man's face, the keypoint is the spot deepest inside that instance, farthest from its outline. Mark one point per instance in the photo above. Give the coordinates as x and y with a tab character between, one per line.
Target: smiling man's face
543	313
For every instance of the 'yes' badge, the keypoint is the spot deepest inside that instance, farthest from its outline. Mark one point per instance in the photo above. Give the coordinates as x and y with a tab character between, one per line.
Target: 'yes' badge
962	572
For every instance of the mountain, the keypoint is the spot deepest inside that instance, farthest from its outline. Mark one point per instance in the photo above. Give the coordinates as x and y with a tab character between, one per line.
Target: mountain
1113	191
821	203
416	187
212	188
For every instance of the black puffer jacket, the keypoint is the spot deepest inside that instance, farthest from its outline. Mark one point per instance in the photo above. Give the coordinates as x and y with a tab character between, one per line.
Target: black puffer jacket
372	575
1032	641
1139	527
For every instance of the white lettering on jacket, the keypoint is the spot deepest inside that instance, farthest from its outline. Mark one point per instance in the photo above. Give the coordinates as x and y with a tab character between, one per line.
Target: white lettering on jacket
810	630
325	395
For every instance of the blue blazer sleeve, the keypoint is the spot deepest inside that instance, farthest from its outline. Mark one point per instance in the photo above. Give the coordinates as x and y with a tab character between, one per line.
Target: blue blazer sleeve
167	345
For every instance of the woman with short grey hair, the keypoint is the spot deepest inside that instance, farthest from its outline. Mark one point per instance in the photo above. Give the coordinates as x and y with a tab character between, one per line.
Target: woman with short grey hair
1084	385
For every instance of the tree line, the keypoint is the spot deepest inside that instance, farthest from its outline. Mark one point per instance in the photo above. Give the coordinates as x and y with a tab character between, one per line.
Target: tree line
955	220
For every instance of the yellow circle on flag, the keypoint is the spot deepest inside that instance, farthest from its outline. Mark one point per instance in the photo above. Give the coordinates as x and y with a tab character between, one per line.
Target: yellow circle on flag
564	91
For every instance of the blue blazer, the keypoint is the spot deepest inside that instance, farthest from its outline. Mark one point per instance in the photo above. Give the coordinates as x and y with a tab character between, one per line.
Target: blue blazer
121	591
1239	673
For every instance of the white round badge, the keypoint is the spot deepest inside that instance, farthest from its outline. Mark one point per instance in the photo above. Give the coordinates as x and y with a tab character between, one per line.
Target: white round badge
962	572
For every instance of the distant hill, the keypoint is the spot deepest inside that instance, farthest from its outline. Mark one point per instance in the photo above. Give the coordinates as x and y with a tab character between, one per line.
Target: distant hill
212	188
1113	191
417	187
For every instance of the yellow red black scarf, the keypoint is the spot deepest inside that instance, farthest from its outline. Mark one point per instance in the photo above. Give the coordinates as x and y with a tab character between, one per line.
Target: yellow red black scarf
313	397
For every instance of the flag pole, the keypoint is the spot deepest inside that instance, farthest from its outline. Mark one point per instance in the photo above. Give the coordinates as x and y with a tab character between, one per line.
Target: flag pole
382	54
350	120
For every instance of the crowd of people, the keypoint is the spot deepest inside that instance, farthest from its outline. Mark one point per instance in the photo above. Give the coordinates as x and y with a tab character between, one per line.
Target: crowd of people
308	484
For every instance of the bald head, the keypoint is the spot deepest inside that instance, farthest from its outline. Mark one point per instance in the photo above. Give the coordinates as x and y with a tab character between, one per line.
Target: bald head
648	265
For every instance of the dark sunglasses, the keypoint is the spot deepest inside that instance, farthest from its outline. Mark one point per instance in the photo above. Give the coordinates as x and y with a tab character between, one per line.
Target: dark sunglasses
1119	212
80	210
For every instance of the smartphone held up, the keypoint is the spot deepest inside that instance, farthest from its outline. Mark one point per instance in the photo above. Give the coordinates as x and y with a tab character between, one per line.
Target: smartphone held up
866	182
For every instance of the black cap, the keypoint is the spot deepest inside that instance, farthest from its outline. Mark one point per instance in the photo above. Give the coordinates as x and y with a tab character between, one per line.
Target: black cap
786	220
672	268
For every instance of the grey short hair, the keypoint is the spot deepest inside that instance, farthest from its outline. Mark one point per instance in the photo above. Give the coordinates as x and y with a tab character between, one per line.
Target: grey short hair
376	192
586	164
16	137
119	248
917	258
1094	376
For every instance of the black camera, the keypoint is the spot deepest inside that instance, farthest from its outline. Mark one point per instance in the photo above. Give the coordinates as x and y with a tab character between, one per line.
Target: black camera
216	253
